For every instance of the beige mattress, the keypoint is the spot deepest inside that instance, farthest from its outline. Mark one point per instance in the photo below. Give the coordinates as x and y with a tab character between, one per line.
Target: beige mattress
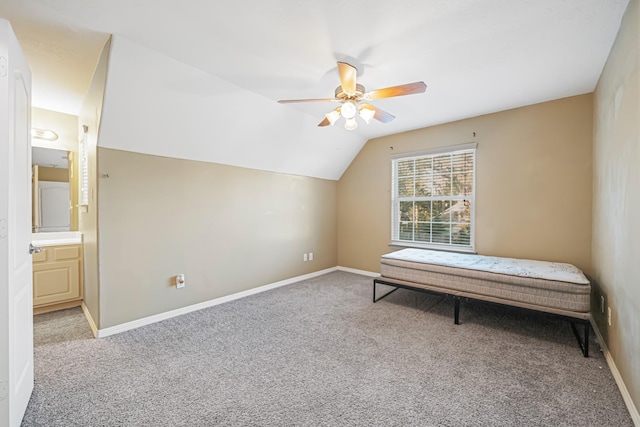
523	283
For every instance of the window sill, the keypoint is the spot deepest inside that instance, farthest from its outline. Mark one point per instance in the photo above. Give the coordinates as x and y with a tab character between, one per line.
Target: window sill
443	248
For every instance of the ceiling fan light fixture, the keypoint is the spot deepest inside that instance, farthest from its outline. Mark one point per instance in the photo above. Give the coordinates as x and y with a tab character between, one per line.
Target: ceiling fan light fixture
348	110
354	99
351	124
367	114
333	116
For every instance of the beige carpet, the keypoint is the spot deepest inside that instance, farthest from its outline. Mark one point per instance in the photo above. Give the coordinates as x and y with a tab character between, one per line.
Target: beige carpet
321	353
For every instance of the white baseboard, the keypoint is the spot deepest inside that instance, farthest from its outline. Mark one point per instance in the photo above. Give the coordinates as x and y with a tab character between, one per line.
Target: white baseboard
633	411
101	333
356	271
92	324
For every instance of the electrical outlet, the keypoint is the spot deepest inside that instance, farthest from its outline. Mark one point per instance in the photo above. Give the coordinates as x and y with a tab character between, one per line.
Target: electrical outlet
305	257
609	315
180	281
602	304
310	256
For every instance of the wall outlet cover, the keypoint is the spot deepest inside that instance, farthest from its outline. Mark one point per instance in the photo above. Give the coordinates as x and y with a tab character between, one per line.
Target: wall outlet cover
180	281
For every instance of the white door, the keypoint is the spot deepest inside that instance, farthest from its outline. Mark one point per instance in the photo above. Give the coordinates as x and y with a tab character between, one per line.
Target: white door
54	206
16	310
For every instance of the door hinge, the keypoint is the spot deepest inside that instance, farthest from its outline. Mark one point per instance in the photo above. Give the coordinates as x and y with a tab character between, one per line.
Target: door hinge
3	66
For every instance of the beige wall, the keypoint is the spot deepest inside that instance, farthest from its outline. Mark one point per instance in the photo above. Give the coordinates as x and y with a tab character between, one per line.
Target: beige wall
65	125
53	174
228	229
90	115
616	200
533	195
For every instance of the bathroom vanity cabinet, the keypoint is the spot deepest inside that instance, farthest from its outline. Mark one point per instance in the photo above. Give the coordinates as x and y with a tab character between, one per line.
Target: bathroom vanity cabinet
57	277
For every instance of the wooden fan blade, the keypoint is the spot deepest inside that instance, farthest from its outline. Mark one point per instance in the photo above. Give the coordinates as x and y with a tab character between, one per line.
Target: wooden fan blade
347	77
325	122
291	101
380	114
389	92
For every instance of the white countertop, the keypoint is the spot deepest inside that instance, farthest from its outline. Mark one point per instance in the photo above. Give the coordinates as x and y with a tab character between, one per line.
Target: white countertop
56	238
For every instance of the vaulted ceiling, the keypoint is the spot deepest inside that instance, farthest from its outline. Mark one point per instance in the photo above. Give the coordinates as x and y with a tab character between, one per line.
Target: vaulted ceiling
476	57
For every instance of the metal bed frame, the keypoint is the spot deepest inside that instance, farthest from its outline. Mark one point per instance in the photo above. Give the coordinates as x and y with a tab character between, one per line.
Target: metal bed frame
583	341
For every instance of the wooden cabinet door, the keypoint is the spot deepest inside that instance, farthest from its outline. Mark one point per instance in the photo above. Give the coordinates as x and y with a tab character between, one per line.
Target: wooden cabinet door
56	281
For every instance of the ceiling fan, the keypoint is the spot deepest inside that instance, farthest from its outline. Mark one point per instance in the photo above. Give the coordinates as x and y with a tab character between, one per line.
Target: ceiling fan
353	99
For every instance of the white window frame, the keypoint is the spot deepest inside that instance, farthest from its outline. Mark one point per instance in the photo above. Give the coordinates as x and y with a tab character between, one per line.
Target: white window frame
395	200
84	169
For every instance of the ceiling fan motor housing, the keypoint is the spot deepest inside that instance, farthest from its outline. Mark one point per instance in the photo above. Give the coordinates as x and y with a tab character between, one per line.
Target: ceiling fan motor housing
343	96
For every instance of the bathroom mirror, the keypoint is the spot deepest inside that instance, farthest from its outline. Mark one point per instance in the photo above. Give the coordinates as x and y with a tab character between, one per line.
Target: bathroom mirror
52	190
48	157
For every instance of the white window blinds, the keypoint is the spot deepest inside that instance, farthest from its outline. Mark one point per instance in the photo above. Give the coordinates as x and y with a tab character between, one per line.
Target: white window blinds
433	198
84	170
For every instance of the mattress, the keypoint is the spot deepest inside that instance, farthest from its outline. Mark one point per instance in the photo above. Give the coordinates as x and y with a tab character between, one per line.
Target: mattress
553	287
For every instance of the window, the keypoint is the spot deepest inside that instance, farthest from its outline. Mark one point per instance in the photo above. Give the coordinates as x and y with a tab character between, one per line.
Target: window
433	198
84	169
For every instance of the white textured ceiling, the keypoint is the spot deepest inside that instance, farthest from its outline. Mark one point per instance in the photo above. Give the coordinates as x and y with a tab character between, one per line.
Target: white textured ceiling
476	56
50	158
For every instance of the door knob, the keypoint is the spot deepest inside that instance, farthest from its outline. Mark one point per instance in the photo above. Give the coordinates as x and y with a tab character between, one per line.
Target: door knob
34	249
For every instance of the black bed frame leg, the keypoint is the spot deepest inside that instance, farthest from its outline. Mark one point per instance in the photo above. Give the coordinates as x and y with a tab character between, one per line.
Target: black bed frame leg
585	349
375	282
456	310
374	291
583	342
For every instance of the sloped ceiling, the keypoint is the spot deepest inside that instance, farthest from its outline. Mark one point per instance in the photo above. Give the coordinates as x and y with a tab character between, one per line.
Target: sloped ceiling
476	57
